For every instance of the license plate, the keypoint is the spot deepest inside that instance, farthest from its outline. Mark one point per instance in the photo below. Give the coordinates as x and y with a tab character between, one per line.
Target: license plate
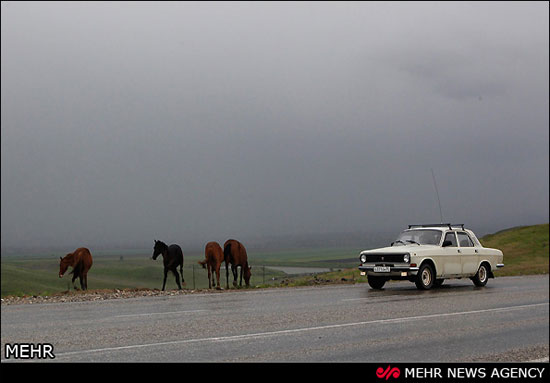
381	269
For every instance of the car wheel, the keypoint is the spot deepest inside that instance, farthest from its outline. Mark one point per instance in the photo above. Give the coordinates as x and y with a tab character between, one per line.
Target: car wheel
482	276
438	282
425	278
376	282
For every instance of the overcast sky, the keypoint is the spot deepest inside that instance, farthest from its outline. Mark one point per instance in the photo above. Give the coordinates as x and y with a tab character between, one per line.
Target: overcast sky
128	122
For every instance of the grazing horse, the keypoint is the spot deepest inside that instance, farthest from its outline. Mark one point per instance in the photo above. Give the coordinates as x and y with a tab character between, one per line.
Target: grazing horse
235	254
81	262
172	258
213	255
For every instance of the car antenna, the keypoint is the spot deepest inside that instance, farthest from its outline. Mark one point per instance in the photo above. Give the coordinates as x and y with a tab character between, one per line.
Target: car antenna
437	193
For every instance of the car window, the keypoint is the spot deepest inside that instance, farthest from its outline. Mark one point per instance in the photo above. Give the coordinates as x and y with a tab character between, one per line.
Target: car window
452	238
422	237
464	240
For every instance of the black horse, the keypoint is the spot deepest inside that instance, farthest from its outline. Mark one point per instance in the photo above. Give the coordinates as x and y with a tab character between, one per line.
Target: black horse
173	257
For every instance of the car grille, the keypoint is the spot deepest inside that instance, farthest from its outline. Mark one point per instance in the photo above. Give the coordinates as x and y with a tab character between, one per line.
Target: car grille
385	257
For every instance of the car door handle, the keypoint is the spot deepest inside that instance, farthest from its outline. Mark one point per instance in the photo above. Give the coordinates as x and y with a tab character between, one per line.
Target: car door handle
459	251
476	251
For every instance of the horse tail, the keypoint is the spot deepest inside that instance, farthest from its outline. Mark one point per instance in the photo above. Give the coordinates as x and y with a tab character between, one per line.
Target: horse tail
226	258
227	253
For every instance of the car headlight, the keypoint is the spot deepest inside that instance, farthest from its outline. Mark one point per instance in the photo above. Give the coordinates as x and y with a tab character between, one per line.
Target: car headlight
363	258
406	258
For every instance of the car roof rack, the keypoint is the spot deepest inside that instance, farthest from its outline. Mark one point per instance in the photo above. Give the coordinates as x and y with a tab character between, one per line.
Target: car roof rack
450	226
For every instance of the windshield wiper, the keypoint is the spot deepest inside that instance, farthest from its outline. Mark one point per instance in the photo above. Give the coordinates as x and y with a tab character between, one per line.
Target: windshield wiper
398	241
411	241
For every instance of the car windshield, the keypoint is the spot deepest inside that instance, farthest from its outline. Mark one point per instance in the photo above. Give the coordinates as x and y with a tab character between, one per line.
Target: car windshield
419	237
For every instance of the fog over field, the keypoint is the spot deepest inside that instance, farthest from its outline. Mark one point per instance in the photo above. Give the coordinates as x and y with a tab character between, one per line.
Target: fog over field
269	122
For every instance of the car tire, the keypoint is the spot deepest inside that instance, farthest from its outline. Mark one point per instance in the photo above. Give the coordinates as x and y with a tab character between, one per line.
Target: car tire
376	282
425	278
482	276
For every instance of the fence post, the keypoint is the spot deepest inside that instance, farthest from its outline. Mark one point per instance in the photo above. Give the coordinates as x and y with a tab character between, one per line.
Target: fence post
194	277
263	274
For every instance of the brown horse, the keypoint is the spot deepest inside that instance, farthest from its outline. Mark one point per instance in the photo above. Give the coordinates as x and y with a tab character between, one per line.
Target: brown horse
213	255
81	262
234	253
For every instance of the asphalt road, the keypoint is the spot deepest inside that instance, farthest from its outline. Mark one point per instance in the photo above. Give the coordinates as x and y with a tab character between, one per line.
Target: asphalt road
457	322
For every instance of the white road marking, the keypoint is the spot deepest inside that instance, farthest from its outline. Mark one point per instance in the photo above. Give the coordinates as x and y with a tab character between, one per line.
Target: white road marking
161	313
292	331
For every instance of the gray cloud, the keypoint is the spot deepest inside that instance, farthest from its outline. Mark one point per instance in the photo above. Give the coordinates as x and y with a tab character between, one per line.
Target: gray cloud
124	122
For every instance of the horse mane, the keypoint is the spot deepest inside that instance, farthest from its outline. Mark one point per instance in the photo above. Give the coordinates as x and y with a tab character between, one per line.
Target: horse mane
68	258
161	245
69	261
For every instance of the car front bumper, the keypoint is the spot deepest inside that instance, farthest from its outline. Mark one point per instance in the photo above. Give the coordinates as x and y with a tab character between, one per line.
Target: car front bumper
395	270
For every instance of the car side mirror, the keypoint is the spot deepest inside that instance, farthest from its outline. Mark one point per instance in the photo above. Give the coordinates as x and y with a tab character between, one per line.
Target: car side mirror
447	243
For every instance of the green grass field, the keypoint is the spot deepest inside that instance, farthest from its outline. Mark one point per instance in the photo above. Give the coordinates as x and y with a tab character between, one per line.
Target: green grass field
525	249
525	252
39	275
325	258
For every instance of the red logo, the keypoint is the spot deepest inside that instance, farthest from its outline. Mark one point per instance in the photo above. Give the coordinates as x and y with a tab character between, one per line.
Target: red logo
388	372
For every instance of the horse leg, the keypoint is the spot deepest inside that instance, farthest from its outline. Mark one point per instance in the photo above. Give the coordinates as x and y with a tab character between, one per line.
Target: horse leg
241	280
209	277
86	281
226	276
181	272
81	278
234	271
218	277
74	279
213	280
175	272
164	282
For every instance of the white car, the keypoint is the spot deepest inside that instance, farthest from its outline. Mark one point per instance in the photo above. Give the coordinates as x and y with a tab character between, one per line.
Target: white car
429	254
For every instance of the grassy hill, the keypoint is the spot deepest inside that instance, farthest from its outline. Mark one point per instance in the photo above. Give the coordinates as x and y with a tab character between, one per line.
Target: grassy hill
525	249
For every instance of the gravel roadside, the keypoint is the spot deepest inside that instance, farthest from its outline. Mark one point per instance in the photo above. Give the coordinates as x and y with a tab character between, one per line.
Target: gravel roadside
97	295
536	353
